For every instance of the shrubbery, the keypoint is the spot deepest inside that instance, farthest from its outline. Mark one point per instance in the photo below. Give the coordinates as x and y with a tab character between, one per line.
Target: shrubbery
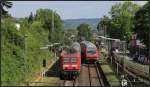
21	54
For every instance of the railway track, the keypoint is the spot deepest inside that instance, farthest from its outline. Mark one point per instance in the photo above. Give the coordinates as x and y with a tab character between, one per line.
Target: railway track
82	80
84	76
90	75
99	73
69	83
94	76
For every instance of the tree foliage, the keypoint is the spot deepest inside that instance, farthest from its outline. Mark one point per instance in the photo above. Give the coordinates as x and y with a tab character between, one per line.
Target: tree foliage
84	31
70	36
120	24
5	5
104	24
142	23
22	56
30	19
51	21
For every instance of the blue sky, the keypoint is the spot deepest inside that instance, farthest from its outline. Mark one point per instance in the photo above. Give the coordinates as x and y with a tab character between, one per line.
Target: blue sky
66	9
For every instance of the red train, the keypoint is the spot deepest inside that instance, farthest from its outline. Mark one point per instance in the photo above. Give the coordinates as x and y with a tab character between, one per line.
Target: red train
89	52
70	61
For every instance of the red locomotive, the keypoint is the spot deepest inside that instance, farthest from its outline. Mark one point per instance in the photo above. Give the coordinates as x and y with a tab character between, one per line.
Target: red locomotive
70	61
89	52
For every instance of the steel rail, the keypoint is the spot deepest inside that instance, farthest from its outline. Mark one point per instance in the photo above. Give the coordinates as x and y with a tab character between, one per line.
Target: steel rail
98	73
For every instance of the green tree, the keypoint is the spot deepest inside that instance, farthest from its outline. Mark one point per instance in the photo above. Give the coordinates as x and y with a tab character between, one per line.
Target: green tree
12	58
84	31
142	23
104	24
7	5
51	22
30	19
21	54
121	22
122	19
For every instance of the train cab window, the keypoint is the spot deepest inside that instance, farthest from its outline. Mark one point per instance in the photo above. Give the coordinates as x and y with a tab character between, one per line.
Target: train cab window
73	60
91	51
66	60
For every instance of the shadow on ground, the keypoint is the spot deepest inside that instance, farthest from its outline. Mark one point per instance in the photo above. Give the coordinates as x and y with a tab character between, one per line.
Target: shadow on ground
54	70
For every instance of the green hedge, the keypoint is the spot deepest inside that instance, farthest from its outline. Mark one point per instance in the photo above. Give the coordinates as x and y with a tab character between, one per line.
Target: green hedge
18	62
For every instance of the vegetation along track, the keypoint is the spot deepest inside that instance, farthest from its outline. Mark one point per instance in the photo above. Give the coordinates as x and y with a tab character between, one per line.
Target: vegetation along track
102	78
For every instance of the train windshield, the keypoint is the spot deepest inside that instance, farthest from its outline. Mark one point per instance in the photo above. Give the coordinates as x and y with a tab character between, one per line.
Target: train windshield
91	51
73	60
66	59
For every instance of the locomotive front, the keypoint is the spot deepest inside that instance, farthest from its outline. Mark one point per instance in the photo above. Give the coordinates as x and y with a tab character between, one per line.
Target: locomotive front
90	52
71	62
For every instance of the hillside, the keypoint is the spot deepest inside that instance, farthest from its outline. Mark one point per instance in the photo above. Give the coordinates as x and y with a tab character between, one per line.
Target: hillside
73	23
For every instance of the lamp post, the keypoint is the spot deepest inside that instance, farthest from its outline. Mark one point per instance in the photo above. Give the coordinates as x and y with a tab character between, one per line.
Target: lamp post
53	24
25	48
124	53
25	41
99	28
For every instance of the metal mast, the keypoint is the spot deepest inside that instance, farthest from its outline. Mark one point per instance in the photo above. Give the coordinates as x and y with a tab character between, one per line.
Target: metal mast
52	21
52	26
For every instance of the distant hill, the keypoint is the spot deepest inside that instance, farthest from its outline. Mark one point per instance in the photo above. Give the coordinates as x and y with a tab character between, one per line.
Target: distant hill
73	23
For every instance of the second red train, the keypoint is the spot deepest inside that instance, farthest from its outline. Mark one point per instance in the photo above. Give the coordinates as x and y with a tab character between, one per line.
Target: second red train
70	58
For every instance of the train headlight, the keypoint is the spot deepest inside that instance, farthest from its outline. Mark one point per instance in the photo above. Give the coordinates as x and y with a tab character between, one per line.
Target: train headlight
65	66
74	66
